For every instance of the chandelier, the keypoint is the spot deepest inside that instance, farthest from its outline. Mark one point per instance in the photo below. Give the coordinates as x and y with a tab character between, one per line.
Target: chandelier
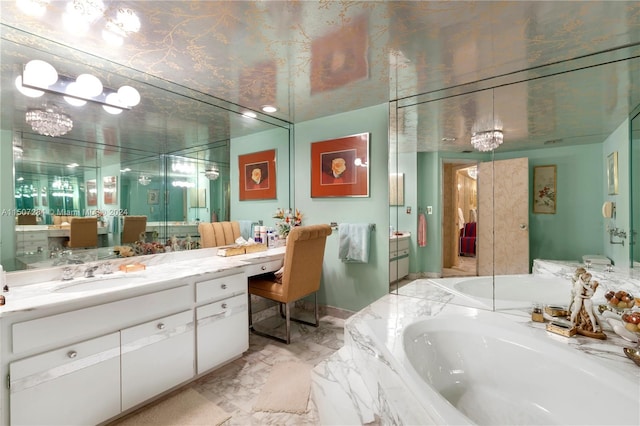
487	140
212	174
49	121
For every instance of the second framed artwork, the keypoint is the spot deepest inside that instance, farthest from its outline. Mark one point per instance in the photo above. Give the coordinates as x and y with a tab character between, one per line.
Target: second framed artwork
257	175
544	189
340	167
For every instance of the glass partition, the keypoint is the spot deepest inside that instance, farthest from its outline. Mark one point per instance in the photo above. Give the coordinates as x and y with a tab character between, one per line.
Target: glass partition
554	122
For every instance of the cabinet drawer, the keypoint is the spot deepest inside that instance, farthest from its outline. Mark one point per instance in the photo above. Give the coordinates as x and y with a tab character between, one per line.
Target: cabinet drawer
223	308
156	330
264	267
77	384
221	287
32	236
57	330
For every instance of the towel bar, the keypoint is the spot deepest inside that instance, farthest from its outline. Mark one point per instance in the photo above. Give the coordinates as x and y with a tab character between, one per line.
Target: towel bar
334	226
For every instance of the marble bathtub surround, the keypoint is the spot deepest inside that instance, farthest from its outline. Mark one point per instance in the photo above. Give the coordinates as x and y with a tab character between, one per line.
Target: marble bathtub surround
366	381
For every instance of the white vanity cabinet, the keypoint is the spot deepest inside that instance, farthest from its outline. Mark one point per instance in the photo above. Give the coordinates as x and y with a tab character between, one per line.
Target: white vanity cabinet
31	241
398	257
156	356
78	384
222	321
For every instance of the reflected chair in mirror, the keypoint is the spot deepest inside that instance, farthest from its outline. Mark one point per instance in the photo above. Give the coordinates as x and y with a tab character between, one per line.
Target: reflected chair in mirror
302	270
216	234
27	219
468	239
83	232
132	228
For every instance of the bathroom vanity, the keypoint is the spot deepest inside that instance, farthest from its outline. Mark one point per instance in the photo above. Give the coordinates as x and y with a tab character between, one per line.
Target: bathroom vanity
399	256
87	350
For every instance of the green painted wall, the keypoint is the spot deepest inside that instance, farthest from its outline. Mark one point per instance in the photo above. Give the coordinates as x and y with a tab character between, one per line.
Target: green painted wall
345	285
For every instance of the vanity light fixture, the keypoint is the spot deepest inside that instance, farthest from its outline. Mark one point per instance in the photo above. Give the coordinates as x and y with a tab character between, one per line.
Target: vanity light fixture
39	77
487	140
144	180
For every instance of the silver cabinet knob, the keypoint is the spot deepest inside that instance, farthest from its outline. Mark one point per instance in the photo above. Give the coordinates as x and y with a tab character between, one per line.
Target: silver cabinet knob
224	306
223	286
264	268
72	354
161	326
523	226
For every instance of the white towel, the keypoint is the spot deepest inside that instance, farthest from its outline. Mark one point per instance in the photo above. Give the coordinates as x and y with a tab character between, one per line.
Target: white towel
354	242
245	228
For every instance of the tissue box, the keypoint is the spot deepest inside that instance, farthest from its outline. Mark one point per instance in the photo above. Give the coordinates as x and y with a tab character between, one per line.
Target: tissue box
132	267
230	251
253	248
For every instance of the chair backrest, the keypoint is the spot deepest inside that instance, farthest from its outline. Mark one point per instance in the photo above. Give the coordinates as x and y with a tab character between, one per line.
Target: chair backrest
83	232
303	260
132	228
27	219
60	219
216	234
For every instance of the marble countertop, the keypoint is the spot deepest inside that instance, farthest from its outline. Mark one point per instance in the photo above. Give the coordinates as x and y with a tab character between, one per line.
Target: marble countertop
43	288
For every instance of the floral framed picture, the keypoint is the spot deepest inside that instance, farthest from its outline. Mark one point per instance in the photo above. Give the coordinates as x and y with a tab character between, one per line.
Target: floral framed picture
257	175
612	173
544	189
340	167
153	196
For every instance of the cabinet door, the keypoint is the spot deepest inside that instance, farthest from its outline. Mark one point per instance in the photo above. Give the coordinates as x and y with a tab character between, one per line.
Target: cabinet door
75	385
156	356
222	331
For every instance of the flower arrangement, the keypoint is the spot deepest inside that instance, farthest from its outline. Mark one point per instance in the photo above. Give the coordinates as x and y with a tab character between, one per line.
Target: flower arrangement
287	219
546	197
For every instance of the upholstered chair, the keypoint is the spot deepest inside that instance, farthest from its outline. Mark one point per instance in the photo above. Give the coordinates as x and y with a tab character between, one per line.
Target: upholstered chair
216	234
302	270
83	232
132	228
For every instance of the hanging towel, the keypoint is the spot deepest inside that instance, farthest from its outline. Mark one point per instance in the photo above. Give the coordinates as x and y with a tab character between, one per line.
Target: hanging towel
353	242
422	230
245	228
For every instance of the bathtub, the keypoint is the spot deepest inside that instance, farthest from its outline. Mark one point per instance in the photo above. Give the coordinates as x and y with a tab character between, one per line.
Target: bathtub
484	369
511	291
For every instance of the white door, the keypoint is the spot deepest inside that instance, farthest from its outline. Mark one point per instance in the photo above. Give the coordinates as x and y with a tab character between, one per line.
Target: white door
503	217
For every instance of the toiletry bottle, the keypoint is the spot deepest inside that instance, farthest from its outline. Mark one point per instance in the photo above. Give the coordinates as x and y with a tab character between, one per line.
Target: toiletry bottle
263	234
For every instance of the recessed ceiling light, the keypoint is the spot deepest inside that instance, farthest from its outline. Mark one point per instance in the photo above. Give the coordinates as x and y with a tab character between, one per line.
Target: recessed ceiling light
72	165
249	114
448	139
269	108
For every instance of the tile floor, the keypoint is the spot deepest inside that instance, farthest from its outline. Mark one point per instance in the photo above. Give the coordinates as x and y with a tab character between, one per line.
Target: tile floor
236	386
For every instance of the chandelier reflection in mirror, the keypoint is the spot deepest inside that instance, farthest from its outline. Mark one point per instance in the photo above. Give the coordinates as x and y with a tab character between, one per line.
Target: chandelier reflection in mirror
487	140
212	173
144	180
49	121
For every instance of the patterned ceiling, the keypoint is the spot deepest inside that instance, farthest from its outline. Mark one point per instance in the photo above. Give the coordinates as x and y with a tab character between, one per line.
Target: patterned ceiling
544	71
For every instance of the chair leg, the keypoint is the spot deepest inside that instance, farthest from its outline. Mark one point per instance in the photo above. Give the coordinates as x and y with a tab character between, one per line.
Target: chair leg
315	313
286	315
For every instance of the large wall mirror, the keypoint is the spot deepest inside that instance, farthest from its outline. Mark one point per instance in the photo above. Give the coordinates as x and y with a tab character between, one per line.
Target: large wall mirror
171	158
539	195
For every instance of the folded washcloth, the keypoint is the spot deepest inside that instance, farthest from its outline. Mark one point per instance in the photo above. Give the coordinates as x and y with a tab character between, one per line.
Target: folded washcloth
354	242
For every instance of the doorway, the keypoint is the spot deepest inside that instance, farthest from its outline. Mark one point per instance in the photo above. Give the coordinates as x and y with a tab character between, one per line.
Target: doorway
459	225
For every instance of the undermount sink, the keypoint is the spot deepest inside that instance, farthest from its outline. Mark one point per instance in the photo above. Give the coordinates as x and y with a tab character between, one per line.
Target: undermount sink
480	370
98	283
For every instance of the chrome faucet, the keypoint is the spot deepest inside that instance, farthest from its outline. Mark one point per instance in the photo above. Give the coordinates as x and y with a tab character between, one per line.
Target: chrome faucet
88	273
67	274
